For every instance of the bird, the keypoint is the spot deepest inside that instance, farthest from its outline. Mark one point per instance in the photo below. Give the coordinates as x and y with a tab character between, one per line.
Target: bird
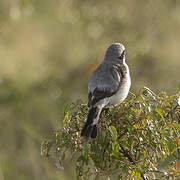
108	86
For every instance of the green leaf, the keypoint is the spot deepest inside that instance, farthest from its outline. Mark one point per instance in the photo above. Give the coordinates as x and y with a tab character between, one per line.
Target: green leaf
176	126
159	111
171	145
66	108
125	169
113	132
137	174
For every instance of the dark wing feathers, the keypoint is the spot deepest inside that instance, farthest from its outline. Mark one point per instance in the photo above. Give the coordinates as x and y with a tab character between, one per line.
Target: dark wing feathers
106	84
98	94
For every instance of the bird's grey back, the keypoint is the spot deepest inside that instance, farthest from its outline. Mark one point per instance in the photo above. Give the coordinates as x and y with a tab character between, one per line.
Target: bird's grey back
102	77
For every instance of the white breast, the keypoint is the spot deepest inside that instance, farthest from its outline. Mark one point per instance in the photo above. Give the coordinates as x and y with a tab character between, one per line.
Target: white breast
122	92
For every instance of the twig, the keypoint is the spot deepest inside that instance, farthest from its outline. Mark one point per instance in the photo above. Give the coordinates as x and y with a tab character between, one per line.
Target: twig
126	154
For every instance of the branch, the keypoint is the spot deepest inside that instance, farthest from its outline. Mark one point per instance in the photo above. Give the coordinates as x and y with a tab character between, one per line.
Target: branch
126	154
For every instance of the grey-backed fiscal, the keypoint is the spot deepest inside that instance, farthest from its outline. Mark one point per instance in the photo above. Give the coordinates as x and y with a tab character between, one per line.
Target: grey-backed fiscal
108	86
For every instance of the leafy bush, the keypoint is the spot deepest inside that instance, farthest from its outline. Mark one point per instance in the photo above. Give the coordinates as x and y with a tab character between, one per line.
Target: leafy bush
138	139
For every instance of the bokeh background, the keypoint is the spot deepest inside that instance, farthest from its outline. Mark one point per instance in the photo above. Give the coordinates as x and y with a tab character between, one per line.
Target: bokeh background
48	50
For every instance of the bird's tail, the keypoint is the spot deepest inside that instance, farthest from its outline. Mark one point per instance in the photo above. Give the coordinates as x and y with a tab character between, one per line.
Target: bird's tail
90	127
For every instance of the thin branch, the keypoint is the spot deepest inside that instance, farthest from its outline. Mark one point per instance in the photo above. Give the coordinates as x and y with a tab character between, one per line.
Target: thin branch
126	154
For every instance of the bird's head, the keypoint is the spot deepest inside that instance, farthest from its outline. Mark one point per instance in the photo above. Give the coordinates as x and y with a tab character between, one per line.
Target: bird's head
115	52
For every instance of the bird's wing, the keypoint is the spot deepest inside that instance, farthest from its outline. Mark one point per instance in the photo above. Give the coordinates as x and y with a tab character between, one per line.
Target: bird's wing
104	82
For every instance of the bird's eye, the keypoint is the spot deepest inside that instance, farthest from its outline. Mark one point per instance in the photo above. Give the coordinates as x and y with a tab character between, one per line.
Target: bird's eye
122	55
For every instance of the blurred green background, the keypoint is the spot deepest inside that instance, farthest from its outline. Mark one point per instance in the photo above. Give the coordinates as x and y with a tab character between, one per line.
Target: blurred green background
48	50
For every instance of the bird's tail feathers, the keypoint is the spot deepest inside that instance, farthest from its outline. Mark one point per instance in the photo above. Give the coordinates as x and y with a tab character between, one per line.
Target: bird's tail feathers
90	127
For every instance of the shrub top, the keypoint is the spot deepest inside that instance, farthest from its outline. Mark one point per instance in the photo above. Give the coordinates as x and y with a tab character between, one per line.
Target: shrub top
140	138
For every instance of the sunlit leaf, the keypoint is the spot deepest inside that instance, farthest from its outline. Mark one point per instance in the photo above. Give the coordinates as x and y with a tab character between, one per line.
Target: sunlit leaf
113	132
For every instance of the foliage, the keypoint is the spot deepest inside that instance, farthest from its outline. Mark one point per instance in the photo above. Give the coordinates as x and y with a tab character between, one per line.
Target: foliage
44	43
138	139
